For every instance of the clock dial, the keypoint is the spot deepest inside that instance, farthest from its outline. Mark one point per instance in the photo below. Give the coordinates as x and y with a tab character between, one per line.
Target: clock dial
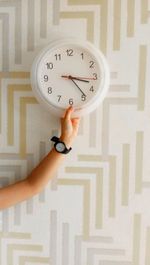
70	72
69	75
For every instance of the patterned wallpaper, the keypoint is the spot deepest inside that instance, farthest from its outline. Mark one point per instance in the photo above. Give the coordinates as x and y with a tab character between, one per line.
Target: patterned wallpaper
96	210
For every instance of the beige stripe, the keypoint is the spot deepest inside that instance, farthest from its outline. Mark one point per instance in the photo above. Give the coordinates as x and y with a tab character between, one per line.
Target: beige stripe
147	252
113	75
89	16
130	17
14	75
99	199
93	128
13	247
103	26
144	11
90	158
139	162
119	88
146	184
103	20
102	252
142	76
112	178
31	25
56	10
43	19
10	112
23	102
112	186
86	210
136	238
117	24
23	260
125	175
86	201
15	235
53	234
65	244
0	108
83	2
11	75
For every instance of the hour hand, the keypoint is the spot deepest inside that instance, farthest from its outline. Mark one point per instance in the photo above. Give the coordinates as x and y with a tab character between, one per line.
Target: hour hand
83	79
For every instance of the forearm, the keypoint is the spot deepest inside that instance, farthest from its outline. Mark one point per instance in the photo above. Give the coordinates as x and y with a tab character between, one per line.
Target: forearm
34	183
45	171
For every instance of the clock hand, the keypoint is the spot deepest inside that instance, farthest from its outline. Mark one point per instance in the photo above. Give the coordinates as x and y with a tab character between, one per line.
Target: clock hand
77	86
78	78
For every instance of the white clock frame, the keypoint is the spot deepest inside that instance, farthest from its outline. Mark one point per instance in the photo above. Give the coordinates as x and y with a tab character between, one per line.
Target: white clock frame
100	60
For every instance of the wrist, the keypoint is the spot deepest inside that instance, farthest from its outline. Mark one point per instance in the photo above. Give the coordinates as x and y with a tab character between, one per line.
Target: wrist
66	140
60	145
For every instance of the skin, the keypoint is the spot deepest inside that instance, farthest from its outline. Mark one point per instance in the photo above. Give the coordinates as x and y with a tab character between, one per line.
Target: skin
40	176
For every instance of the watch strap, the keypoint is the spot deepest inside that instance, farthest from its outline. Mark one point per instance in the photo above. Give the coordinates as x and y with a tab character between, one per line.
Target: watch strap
56	140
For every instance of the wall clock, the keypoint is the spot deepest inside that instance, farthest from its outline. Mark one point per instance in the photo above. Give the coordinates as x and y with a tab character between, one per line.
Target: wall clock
67	72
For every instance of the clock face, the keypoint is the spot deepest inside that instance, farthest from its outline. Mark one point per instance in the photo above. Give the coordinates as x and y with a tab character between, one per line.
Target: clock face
69	74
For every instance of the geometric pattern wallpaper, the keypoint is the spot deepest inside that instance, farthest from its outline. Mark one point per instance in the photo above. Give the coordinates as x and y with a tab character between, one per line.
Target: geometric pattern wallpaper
95	210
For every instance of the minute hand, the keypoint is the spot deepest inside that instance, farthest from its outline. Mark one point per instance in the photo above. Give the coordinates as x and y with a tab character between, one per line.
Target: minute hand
76	78
77	86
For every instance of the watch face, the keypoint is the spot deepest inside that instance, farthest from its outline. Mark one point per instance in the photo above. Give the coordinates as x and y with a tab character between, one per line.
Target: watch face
60	147
70	73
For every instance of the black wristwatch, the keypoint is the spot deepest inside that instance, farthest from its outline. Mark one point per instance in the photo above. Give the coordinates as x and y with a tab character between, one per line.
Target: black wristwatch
60	146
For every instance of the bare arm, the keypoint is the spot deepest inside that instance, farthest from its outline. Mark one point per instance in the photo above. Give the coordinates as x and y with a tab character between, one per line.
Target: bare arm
40	176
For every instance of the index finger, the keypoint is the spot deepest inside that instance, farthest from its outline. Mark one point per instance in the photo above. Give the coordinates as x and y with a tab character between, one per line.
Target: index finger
68	113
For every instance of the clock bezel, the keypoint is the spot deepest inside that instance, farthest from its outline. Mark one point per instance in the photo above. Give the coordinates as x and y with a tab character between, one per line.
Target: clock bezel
102	65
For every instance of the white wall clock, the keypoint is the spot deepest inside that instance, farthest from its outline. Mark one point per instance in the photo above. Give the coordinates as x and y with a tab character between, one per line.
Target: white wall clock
70	72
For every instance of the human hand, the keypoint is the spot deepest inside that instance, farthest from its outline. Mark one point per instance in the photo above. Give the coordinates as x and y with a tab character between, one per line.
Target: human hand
69	127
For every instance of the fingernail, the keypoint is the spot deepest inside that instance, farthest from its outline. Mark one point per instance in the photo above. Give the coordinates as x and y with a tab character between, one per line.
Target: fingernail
71	107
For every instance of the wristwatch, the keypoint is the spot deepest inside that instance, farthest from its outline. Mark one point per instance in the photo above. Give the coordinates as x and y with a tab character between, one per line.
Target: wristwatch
60	146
